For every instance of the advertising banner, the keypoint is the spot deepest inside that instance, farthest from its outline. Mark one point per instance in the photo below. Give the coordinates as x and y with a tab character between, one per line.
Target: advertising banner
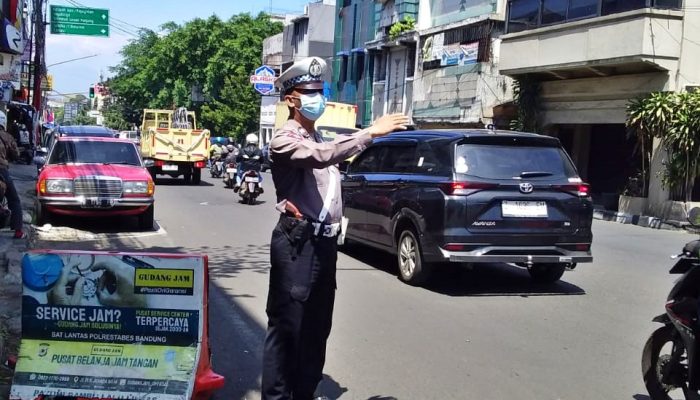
460	54
110	325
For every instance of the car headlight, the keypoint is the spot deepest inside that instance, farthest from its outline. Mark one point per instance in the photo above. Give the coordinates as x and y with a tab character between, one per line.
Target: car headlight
59	186
138	187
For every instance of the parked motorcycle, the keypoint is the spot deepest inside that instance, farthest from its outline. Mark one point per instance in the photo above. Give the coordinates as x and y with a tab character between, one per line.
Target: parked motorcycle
230	175
671	357
217	168
250	187
26	149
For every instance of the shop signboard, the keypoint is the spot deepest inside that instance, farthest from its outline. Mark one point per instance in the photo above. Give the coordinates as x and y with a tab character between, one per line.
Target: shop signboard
110	325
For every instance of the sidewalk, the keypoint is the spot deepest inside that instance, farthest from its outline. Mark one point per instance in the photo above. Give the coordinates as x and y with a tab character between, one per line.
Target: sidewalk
24	177
643	221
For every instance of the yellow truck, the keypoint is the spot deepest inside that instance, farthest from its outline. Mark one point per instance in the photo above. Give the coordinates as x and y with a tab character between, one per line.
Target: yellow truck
172	145
338	118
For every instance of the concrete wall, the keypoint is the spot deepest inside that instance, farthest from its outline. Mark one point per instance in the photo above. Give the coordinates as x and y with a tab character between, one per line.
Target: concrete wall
649	35
460	94
272	50
596	100
689	73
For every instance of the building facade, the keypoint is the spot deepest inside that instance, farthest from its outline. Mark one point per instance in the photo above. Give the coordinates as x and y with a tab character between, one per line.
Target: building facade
588	59
457	80
443	72
272	57
306	35
353	67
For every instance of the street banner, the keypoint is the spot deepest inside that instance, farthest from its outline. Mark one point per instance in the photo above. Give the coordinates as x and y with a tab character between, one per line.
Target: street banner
110	325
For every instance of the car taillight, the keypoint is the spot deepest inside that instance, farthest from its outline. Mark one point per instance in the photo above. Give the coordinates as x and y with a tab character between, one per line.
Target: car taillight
465	188
199	164
579	189
159	163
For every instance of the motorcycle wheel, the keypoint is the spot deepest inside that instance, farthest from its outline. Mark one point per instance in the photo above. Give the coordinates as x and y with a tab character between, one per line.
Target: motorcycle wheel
251	200
654	363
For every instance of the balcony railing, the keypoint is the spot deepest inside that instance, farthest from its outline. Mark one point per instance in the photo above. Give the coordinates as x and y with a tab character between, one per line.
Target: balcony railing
531	14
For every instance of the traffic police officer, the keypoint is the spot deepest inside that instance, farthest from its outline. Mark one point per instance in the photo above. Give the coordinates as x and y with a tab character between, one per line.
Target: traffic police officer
303	248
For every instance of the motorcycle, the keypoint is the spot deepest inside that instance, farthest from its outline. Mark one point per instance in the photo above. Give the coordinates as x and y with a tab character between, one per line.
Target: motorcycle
217	168
250	187
671	357
26	149
230	175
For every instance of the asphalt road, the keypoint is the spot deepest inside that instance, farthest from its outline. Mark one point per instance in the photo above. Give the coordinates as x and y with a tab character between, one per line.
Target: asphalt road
488	333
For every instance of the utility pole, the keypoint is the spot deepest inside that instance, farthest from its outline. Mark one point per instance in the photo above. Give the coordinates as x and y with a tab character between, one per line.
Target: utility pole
39	33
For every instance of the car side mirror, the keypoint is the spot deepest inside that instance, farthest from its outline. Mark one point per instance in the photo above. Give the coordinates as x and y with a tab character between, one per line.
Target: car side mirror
39	161
148	163
694	216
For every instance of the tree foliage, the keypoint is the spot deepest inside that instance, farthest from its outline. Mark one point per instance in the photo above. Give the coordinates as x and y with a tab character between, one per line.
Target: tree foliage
526	93
159	71
675	119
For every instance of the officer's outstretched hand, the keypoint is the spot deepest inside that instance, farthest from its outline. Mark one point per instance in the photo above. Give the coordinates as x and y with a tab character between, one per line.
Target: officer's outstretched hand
388	123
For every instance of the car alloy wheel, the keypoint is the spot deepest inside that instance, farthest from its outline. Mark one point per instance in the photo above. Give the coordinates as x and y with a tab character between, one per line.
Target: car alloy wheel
412	269
407	255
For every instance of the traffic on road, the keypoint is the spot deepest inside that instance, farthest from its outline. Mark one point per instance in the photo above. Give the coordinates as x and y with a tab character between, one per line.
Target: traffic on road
339	200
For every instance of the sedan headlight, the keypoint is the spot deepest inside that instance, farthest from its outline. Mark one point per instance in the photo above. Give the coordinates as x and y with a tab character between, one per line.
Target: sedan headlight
59	186
138	187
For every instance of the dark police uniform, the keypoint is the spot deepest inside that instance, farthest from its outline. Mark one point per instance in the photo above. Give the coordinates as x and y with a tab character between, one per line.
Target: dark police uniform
303	250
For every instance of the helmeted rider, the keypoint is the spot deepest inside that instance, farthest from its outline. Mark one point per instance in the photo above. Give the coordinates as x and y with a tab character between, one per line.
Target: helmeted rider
215	151
232	154
250	158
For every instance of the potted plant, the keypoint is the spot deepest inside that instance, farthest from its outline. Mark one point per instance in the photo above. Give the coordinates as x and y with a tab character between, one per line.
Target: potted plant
633	199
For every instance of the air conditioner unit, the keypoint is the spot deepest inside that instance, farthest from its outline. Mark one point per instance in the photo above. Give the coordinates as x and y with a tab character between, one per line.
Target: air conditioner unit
692	88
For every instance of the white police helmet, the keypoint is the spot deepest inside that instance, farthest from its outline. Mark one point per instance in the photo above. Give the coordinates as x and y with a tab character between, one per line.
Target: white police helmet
251	138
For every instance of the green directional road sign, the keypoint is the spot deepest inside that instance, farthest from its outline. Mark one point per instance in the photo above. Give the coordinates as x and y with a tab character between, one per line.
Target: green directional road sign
79	21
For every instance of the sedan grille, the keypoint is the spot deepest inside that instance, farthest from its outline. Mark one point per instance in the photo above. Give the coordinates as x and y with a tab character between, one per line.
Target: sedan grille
98	186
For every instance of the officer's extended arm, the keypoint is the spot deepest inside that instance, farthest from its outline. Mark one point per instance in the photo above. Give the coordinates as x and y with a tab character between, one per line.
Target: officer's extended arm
292	147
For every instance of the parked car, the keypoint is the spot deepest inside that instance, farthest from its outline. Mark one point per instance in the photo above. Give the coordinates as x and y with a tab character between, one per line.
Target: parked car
95	177
75	131
472	196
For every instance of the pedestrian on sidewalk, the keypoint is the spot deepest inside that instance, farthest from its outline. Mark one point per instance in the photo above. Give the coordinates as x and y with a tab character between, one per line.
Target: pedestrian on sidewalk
10	152
303	249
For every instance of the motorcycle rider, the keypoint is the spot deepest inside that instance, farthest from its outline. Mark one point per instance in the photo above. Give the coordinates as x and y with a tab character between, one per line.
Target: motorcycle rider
232	154
250	158
214	153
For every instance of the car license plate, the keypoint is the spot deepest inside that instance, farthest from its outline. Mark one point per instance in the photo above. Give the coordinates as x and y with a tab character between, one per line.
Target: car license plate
169	167
98	203
251	179
230	170
524	209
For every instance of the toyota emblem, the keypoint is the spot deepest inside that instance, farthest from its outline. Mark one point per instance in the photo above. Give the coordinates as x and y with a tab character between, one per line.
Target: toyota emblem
526	187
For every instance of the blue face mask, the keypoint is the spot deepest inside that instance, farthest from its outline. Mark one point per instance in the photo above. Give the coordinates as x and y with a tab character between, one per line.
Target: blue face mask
312	106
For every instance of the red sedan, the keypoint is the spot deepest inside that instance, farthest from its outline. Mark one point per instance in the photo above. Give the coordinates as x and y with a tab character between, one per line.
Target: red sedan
93	177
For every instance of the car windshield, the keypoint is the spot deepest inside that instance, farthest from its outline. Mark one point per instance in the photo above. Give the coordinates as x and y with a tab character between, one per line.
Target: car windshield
508	162
94	152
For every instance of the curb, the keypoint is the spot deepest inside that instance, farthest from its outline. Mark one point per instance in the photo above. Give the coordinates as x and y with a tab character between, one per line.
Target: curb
642	220
11	279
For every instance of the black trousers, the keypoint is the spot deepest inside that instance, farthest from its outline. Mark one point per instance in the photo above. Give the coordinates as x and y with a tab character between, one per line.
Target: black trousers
300	310
13	201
